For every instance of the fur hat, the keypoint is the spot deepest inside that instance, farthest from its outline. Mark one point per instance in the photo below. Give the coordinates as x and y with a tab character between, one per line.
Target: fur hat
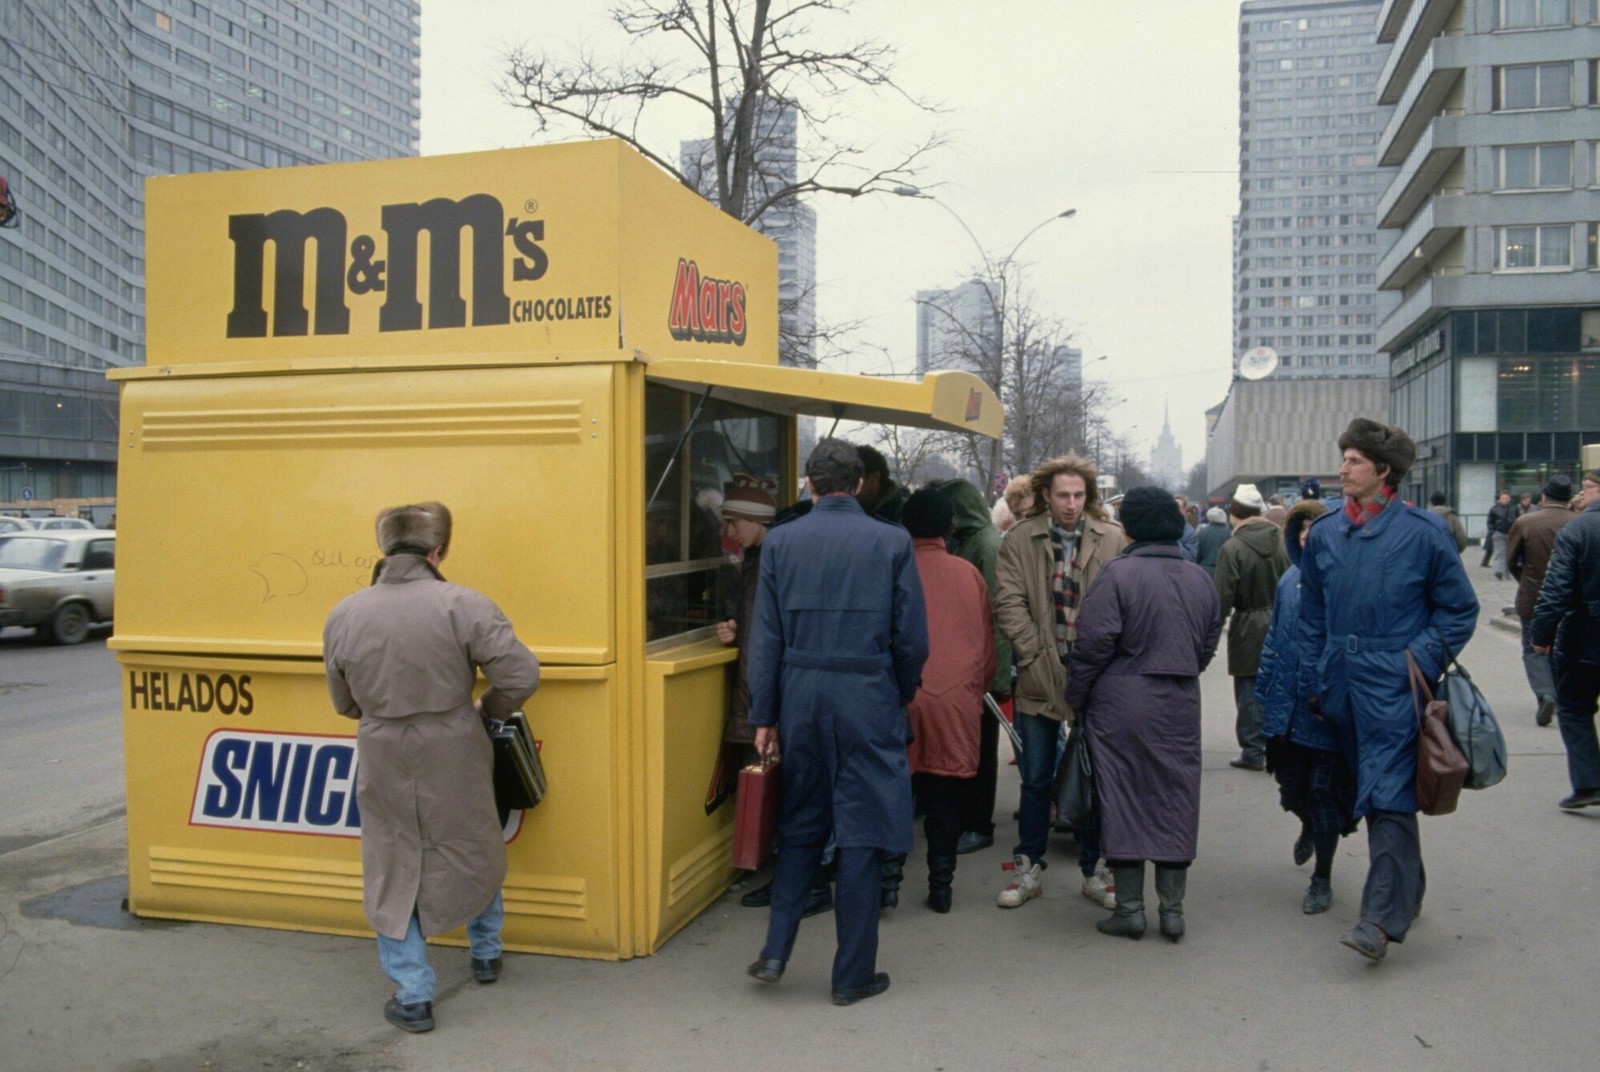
414	529
1150	515
1559	488
747	499
1300	515
1384	444
928	513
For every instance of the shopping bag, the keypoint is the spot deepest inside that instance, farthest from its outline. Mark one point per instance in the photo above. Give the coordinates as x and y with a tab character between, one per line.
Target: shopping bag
1441	768
1075	793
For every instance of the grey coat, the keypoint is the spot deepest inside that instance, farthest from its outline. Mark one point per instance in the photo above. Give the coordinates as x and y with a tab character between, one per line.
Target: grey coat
402	657
1146	630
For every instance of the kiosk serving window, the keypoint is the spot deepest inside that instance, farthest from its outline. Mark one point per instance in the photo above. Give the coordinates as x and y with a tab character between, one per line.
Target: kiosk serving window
694	445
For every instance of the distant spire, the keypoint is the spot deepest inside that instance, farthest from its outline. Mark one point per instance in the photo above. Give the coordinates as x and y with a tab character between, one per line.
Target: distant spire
1166	425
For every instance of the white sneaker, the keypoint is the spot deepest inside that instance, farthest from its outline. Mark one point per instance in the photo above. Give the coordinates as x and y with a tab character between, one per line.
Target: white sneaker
1098	888
1027	882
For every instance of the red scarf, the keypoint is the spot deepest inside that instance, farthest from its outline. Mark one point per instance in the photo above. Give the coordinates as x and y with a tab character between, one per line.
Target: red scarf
1359	515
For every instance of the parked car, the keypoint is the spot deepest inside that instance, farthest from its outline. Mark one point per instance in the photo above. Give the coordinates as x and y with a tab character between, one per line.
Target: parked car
15	524
61	523
57	581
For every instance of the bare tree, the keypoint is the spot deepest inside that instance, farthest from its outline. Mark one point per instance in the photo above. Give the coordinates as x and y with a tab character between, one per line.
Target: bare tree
744	65
1024	357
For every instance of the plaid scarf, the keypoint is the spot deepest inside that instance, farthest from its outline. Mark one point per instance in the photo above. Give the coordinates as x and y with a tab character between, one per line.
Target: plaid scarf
1064	584
1360	515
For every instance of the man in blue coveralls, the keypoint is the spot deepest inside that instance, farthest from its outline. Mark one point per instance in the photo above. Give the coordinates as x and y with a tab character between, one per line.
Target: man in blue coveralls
836	652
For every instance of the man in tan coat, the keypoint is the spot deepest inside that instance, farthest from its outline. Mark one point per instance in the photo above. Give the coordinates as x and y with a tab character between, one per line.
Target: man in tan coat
402	656
1529	546
1045	565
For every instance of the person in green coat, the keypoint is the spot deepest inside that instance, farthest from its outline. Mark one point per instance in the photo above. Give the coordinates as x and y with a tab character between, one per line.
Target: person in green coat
1248	568
979	543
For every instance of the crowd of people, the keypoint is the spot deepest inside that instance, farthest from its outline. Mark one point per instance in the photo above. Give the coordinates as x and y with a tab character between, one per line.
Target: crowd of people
875	626
1104	621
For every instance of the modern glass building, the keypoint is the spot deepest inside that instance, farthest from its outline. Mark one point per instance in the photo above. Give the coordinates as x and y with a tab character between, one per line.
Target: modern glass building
95	95
1491	224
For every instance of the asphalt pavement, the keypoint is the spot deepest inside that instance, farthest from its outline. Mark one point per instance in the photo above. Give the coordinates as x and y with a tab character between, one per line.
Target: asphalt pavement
1494	974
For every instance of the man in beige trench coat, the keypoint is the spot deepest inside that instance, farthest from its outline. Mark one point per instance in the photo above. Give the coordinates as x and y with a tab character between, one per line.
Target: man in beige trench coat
402	656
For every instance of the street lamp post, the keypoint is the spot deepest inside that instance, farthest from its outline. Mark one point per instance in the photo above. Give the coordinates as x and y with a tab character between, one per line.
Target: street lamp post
997	303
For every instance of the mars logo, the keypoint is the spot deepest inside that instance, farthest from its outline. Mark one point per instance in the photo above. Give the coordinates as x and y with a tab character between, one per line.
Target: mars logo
336	276
706	309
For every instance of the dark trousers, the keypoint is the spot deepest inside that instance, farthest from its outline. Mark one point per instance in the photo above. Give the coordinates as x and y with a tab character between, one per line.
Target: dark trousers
1247	724
1536	666
977	802
941	797
1395	877
855	909
1577	689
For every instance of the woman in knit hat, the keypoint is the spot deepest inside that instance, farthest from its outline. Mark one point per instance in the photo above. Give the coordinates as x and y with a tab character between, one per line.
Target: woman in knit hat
1147	627
1303	754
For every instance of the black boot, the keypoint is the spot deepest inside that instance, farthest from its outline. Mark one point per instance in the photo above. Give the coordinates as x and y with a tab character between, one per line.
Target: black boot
941	873
1170	884
1128	919
894	870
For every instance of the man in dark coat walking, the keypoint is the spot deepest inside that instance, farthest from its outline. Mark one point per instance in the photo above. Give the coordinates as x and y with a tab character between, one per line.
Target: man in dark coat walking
836	652
1567	617
1380	581
1248	568
1528	549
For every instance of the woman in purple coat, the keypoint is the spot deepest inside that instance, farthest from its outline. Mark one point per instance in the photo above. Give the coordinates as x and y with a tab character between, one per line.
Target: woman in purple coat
1147	628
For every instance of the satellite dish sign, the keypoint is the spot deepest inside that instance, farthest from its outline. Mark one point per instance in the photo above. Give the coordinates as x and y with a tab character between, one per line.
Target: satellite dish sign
1259	363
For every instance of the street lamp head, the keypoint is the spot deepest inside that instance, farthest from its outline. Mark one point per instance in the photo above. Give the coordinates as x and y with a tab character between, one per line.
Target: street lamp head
1067	215
909	191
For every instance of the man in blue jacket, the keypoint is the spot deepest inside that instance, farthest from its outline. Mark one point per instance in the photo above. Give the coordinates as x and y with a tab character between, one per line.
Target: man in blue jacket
836	652
1567	617
1380	581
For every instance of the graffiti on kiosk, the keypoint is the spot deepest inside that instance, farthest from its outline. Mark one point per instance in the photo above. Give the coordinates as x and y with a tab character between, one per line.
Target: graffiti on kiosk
346	267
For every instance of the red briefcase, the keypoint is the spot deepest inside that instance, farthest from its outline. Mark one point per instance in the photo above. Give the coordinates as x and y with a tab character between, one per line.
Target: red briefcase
755	816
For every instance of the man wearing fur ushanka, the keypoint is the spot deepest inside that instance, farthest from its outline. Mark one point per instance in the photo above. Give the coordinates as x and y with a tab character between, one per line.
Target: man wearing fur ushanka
1380	580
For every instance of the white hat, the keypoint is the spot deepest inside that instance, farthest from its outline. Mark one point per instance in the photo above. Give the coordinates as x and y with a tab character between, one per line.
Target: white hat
1247	496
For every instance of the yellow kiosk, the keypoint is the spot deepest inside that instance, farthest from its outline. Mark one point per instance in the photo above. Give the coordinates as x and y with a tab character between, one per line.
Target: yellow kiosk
572	351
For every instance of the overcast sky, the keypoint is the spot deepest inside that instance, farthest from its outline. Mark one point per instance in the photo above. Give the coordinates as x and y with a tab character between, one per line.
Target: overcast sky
1126	110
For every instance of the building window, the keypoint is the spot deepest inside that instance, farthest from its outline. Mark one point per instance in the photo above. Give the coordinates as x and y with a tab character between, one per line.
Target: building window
1533	85
1593	243
1529	167
1530	14
1529	248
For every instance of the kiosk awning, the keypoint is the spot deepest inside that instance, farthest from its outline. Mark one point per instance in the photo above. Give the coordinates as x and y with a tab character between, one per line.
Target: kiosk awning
946	401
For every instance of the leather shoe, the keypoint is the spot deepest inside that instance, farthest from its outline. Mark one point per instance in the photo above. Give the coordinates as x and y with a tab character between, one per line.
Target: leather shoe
767	971
1366	939
879	984
820	901
415	1018
1547	712
486	971
1248	764
972	841
1583	798
941	899
760	897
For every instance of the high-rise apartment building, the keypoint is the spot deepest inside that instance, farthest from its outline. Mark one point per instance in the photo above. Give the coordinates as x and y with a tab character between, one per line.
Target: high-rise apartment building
1491	235
1307	249
956	327
96	95
788	221
1306	245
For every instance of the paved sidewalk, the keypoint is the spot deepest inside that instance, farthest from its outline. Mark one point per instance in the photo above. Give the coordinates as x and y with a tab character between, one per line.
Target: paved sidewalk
1495	975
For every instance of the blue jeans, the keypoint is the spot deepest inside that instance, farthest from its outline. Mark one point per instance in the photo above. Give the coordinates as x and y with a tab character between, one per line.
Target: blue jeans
405	961
1037	765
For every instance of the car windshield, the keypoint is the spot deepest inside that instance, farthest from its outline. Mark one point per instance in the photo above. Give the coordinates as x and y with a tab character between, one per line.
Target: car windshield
31	552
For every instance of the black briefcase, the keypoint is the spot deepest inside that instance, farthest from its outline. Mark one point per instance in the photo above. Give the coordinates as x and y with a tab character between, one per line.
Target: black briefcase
519	781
